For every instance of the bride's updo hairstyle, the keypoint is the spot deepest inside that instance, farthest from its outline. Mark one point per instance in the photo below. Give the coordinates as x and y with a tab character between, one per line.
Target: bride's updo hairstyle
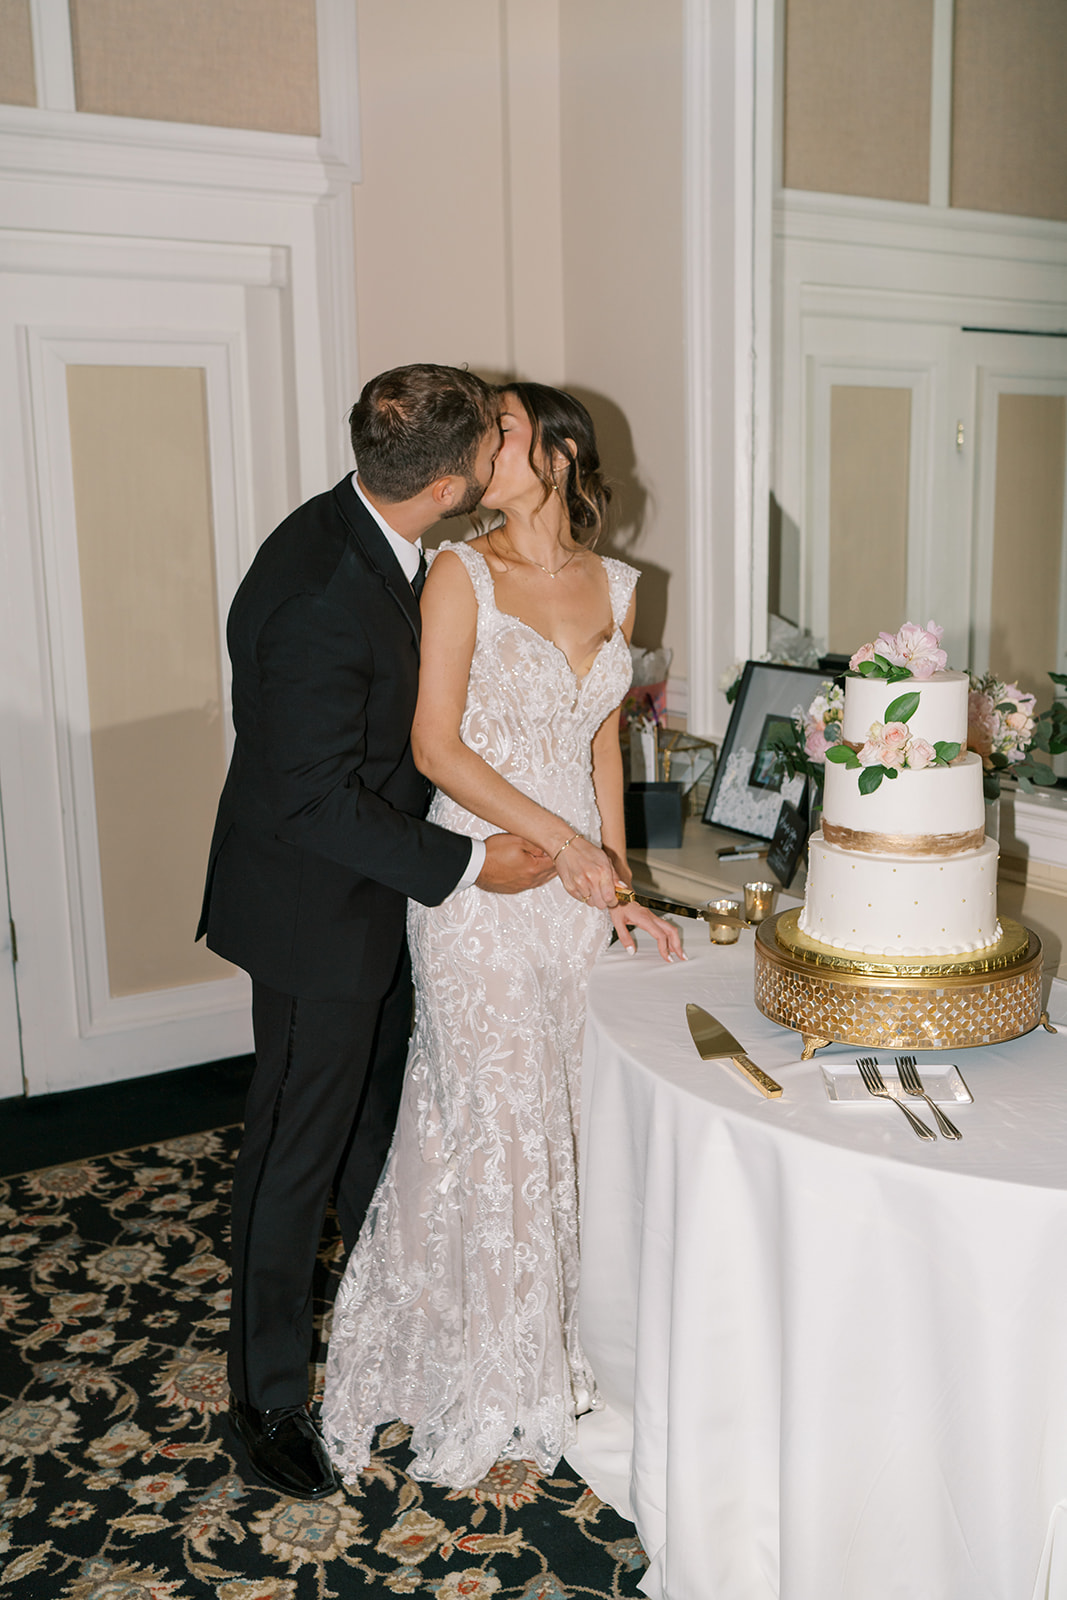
562	426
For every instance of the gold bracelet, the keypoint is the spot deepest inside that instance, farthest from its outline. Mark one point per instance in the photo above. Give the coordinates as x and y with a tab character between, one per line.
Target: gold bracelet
563	847
624	896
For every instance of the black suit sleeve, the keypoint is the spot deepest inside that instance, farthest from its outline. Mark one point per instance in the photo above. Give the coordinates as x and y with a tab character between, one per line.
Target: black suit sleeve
316	674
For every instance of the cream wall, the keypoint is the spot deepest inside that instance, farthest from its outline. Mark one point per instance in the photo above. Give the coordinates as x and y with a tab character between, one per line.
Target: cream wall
520	210
857	97
243	64
17	87
857	108
621	89
429	213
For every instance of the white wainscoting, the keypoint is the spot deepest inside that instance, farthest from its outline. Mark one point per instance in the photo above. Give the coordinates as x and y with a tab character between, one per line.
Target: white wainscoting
135	242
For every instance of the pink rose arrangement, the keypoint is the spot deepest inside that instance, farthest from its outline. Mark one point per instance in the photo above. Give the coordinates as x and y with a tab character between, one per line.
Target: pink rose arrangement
1003	730
911	652
890	747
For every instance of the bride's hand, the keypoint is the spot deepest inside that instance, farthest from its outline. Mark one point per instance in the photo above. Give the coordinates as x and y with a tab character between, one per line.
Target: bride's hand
666	935
586	873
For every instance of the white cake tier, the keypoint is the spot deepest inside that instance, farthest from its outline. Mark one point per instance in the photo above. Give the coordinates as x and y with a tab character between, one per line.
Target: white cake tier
941	712
935	812
893	905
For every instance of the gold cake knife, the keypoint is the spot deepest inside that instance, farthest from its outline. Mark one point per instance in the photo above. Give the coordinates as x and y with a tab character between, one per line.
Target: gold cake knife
715	1044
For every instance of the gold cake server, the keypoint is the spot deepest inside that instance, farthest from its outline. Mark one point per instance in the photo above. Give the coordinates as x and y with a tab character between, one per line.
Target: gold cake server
715	1044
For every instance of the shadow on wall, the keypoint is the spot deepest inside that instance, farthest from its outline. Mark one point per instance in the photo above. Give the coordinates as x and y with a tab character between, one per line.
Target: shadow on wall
629	509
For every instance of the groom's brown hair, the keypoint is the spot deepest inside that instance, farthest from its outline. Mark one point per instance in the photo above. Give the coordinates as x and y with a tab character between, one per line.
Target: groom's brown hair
413	425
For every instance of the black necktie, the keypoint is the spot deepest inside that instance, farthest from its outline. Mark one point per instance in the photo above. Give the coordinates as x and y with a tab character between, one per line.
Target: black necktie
419	579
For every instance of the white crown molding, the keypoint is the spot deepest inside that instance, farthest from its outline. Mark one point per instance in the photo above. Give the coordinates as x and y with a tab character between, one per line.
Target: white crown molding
955	307
803	216
53	56
728	120
339	142
110	256
56	118
47	145
941	102
699	346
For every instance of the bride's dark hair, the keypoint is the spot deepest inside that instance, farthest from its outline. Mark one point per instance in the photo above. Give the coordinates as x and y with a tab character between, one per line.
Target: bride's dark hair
563	427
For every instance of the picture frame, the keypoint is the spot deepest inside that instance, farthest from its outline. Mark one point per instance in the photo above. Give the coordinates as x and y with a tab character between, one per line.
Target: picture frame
747	794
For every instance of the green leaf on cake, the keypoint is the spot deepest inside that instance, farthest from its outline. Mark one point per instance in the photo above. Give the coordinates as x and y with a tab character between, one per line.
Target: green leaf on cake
945	750
843	754
869	669
903	707
870	778
891	772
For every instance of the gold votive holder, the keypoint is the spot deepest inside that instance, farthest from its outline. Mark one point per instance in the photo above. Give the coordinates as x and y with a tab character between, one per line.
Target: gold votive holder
721	931
759	900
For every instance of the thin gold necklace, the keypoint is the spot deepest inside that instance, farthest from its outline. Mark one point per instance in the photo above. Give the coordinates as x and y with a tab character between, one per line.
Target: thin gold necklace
518	556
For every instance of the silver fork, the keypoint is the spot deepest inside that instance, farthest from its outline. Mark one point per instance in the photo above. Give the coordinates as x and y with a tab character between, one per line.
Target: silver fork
911	1083
875	1084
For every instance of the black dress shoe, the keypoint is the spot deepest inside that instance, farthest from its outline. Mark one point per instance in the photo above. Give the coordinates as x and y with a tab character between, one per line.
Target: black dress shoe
285	1449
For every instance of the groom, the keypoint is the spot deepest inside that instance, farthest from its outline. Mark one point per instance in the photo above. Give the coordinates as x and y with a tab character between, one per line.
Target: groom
319	840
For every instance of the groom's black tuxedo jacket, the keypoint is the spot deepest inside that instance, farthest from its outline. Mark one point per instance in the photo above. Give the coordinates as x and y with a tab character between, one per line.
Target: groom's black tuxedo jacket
319	836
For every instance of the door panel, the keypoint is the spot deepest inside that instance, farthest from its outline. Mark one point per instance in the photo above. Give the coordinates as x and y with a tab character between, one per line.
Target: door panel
1020	571
127	496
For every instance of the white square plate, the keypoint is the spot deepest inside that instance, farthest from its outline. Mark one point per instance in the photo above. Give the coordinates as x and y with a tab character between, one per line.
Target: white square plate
943	1084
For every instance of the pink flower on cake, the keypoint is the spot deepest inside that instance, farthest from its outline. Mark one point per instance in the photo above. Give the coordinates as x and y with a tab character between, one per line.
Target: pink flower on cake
920	754
913	647
864	653
885	746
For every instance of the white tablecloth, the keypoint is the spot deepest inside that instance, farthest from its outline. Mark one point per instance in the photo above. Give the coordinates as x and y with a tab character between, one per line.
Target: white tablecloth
833	1358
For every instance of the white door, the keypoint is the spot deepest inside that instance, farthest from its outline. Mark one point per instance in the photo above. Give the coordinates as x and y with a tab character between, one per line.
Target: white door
143	450
1019	383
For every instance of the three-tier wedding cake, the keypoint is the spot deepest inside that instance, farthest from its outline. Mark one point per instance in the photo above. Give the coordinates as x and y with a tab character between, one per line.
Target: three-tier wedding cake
901	865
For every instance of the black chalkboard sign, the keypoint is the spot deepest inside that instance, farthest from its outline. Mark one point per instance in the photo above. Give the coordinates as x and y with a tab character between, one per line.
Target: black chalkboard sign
787	846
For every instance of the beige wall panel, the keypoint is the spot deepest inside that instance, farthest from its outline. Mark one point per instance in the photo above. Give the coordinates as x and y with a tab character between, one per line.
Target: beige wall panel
17	85
1009	130
245	64
534	181
146	560
621	97
857	97
429	214
1028	540
870	433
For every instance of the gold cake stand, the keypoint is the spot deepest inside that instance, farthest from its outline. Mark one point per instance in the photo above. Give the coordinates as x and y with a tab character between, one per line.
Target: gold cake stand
928	1003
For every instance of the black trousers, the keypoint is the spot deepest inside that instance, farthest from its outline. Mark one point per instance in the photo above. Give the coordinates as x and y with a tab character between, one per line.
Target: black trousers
320	1115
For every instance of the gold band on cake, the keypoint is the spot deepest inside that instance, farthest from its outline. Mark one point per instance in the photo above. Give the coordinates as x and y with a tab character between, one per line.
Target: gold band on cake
902	844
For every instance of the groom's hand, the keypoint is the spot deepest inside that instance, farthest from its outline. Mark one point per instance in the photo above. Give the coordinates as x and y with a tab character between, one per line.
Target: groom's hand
512	865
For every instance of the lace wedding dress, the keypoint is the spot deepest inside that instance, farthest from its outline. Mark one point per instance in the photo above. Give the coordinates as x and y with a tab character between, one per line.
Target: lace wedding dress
458	1308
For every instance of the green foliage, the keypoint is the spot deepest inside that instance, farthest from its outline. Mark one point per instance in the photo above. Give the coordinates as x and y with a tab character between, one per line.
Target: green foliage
880	668
946	751
902	708
870	778
844	755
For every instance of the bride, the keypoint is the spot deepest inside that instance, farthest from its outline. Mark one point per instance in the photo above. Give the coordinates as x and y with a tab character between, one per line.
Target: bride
458	1308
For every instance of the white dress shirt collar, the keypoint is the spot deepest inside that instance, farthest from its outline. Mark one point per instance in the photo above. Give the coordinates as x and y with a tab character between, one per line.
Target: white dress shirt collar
406	553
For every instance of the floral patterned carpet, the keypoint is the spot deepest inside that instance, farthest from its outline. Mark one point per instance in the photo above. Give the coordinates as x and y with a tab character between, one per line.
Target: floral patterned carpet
118	1476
